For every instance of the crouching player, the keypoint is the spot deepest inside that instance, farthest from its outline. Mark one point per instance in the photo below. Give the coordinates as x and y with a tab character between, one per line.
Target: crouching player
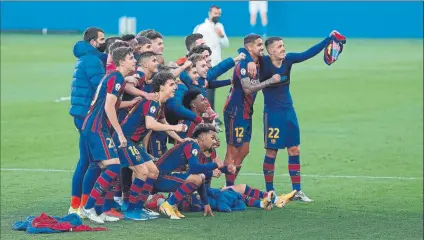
96	131
186	182
145	116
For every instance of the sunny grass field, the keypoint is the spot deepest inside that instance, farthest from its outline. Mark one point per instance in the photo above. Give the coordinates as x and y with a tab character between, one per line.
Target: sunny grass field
360	118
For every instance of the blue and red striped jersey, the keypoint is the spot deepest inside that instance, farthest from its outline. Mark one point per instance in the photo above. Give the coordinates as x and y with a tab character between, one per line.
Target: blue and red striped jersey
96	119
134	124
238	101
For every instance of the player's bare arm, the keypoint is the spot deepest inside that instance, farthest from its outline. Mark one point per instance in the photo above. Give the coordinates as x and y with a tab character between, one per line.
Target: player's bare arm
127	104
113	119
132	90
154	125
253	85
177	71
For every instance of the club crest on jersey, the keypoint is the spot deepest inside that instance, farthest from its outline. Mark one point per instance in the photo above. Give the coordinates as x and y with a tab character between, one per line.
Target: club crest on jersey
194	152
153	109
243	71
117	87
238	140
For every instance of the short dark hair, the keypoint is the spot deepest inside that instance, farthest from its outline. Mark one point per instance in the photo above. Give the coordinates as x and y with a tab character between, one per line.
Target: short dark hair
271	40
214	6
203	128
117	44
120	54
160	79
189	97
191	39
141	40
163	68
200	49
143	33
127	37
91	33
109	41
145	55
151	34
250	38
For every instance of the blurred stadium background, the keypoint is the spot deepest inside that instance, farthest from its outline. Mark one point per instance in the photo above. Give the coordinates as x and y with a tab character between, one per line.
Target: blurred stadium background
361	119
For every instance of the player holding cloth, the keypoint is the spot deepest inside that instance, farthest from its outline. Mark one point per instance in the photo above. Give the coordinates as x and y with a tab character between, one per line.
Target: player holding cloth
281	127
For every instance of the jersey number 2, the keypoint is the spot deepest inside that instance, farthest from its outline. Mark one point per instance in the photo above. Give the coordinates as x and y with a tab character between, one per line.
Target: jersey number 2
109	143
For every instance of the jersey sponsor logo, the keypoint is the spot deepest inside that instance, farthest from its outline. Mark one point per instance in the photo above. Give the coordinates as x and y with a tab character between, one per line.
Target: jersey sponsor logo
254	81
153	109
117	87
194	152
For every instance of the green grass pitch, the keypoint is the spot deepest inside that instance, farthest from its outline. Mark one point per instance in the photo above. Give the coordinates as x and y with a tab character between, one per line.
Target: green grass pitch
360	118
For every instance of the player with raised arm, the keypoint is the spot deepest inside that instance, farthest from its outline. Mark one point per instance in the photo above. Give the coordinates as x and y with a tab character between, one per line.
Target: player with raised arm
238	109
96	129
281	127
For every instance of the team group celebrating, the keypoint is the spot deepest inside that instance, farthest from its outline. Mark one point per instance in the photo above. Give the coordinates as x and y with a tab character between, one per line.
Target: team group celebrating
129	105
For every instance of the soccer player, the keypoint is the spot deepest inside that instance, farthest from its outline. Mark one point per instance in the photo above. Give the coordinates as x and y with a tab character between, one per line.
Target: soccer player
157	43
238	109
185	183
88	73
96	130
191	41
261	7
281	127
142	118
110	65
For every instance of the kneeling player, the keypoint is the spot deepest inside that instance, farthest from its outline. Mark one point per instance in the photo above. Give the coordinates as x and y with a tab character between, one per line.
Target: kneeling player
185	183
141	118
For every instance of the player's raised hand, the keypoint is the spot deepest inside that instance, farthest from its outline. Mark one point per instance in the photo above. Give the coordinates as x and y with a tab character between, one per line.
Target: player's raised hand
151	97
187	64
276	78
240	57
207	211
122	141
334	32
251	69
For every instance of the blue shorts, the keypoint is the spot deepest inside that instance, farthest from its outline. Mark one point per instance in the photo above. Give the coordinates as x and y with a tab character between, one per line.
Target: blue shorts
237	129
281	129
100	145
134	154
157	144
170	182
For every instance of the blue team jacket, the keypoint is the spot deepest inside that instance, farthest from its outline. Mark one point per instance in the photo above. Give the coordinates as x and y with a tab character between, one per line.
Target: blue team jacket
89	71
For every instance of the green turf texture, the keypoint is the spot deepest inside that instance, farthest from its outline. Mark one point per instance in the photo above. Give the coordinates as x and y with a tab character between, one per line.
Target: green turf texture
362	116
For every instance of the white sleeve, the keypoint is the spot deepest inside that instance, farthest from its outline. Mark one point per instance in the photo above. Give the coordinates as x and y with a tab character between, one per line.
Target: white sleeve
224	40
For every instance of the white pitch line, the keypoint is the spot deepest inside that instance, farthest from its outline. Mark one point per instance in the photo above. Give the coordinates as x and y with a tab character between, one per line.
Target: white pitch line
243	174
62	99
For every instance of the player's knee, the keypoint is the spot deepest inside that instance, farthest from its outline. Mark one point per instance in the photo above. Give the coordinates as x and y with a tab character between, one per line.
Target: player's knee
141	171
293	151
271	153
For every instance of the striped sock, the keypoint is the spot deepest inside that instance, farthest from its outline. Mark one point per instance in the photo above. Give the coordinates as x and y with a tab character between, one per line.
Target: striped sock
102	184
147	189
99	205
268	170
90	177
109	197
294	171
251	202
255	193
229	179
184	190
136	188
